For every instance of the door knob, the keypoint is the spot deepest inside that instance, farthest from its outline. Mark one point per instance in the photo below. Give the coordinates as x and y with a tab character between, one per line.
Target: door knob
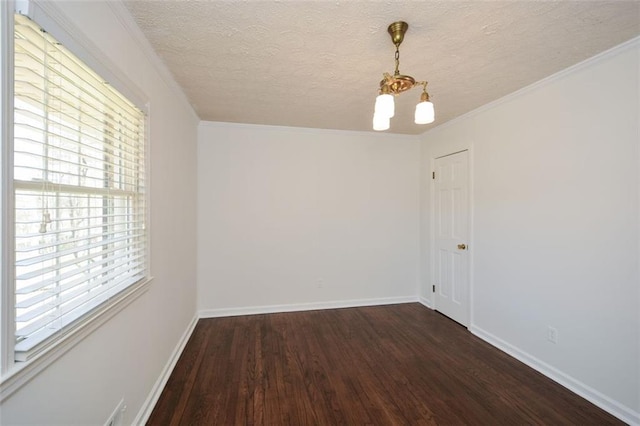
462	247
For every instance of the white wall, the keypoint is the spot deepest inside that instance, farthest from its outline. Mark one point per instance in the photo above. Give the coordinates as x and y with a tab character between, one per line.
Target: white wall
281	208
556	224
125	357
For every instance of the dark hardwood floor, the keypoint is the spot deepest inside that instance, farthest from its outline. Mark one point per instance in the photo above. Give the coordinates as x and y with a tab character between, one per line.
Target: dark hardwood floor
382	365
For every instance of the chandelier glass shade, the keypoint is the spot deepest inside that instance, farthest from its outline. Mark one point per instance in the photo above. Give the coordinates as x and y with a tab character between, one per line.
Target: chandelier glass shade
393	85
425	113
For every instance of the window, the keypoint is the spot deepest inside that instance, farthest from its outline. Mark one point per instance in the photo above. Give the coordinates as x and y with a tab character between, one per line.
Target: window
79	191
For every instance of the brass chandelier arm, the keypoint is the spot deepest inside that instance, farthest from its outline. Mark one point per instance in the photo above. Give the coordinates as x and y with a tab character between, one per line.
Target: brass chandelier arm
397	83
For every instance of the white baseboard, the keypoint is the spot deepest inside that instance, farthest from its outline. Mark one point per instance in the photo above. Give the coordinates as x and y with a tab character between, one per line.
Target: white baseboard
158	387
426	302
269	309
622	412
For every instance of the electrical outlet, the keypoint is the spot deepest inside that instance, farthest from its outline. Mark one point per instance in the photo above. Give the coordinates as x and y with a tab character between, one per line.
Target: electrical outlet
552	335
320	283
115	419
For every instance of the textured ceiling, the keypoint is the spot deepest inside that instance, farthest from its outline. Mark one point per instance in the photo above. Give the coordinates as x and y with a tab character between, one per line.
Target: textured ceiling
318	63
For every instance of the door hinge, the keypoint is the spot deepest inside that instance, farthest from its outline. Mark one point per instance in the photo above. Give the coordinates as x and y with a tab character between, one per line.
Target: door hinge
434	288
433	175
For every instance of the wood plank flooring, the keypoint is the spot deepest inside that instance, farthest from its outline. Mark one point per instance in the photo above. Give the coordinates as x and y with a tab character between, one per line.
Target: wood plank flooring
383	365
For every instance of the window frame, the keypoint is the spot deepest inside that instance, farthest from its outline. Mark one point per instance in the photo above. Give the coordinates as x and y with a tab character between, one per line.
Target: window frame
14	374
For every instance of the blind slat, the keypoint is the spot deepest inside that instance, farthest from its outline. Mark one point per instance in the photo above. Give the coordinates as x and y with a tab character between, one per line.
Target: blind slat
61	298
41	295
72	124
79	147
24	247
37	186
137	256
42	48
88	246
84	283
65	112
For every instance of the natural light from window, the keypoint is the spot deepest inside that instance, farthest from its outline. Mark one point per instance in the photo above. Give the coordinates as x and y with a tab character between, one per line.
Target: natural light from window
79	182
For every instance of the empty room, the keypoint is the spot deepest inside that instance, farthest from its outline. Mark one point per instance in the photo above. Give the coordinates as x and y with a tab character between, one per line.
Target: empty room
320	212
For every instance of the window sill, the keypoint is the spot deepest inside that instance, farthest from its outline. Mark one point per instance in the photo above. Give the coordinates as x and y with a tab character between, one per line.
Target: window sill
23	372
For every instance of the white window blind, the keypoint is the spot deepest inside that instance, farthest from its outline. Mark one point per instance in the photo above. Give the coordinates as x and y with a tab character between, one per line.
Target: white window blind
80	213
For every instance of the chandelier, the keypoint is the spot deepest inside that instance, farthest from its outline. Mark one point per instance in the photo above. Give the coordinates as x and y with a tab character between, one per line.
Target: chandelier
397	83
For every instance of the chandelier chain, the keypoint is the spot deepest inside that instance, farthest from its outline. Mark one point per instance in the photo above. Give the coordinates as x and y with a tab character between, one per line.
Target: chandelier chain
397	71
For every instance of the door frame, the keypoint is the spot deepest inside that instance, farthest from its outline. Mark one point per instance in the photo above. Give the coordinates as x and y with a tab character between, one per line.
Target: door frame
471	245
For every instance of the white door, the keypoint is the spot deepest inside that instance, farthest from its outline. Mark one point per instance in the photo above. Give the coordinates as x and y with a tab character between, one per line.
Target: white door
451	236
